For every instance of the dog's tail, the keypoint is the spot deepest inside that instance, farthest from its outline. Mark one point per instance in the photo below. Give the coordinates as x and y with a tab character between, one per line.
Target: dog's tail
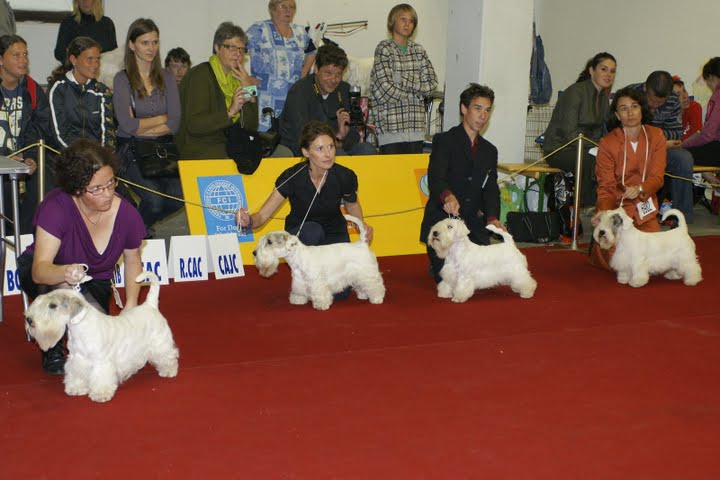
153	295
360	225
507	238
682	224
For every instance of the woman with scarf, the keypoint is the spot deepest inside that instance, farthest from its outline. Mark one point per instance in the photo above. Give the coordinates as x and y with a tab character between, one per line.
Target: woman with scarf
213	96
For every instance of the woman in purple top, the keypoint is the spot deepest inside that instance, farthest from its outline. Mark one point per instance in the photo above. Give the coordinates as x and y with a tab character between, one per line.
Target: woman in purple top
83	223
147	105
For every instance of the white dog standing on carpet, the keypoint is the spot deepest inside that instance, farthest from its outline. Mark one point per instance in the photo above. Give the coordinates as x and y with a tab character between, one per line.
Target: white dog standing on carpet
320	271
641	254
104	351
469	267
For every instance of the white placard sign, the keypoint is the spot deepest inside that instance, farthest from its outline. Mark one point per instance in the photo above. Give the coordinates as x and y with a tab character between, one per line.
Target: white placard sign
225	255
154	259
188	260
11	286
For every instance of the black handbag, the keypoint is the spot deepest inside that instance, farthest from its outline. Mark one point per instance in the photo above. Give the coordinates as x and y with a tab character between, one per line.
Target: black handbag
156	158
534	227
248	148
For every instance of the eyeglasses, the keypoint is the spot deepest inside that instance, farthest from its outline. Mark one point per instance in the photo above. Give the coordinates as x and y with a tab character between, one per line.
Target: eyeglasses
234	48
288	7
110	186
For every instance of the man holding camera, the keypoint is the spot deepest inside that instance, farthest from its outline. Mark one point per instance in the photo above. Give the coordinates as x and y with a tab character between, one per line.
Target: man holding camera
325	97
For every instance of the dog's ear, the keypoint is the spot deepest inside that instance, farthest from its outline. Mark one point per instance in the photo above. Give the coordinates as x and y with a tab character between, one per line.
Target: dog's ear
462	229
617	221
73	305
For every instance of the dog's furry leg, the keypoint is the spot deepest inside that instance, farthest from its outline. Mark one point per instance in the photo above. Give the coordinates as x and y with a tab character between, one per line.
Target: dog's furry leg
444	290
639	276
321	296
103	382
692	274
297	295
76	375
464	289
525	287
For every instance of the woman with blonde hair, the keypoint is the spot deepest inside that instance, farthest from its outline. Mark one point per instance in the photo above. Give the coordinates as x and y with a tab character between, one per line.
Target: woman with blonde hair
147	106
87	20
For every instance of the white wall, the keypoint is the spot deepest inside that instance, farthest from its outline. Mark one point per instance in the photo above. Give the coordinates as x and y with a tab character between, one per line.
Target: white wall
191	24
643	35
490	42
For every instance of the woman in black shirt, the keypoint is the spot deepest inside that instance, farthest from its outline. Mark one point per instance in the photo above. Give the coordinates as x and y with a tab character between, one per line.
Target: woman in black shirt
316	186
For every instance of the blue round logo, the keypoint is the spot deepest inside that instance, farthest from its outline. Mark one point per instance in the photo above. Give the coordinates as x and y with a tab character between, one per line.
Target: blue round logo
226	196
424	188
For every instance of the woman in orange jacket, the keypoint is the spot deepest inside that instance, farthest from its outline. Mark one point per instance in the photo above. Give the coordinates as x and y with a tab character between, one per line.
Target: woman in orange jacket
630	167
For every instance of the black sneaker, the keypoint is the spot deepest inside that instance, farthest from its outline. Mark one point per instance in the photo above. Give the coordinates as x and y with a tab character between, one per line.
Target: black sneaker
53	361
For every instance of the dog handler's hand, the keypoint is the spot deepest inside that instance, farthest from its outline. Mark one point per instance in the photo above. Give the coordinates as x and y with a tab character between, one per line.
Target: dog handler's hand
369	231
242	217
74	273
452	206
632	192
499	225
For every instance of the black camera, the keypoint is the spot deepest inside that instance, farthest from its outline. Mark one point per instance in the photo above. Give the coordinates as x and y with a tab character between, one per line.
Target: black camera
356	113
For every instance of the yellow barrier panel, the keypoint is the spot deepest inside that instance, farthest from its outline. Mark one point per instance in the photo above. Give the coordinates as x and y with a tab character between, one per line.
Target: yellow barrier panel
390	193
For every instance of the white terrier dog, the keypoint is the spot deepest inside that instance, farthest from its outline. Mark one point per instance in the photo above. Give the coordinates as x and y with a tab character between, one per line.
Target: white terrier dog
469	267
103	350
320	271
641	254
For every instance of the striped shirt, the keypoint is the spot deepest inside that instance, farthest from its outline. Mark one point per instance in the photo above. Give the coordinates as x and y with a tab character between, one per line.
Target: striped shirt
668	116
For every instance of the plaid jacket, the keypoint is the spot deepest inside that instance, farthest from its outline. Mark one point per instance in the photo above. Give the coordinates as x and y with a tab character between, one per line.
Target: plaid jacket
398	85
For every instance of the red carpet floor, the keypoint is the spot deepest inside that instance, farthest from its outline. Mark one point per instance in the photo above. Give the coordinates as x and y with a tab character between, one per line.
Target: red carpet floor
588	380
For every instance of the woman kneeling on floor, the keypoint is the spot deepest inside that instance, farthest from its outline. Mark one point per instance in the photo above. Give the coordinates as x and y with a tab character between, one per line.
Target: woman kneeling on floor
630	168
83	228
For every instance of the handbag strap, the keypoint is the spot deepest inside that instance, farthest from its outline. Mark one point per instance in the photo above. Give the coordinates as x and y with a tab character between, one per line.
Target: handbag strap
528	224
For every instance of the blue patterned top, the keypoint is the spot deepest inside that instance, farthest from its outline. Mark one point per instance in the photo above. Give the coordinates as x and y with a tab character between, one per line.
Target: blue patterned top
277	61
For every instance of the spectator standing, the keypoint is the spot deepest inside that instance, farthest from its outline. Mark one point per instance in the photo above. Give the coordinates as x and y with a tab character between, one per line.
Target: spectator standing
281	53
401	77
80	105
87	20
147	106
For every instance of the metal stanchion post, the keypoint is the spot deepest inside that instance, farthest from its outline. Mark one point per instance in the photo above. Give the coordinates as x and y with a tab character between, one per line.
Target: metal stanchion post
41	171
578	191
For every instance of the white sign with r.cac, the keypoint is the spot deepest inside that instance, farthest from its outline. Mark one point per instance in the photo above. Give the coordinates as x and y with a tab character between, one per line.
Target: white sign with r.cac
188	260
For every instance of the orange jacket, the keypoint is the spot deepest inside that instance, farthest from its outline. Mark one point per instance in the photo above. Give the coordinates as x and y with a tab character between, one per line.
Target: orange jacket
609	170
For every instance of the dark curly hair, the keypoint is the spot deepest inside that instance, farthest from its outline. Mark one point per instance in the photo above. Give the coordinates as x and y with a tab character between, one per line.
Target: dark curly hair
78	163
636	95
712	67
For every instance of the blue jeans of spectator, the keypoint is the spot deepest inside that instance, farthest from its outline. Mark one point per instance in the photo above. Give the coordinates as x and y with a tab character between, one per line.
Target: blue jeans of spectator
680	163
313	233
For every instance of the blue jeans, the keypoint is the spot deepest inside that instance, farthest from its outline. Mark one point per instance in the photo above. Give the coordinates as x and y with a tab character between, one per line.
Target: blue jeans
680	163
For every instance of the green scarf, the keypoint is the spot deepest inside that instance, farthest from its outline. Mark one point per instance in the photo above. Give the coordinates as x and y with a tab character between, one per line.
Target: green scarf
228	83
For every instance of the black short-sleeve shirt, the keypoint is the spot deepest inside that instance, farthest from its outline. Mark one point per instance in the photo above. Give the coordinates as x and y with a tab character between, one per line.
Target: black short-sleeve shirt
341	184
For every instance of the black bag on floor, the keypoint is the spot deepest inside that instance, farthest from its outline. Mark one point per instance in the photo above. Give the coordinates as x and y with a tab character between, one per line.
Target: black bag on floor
534	227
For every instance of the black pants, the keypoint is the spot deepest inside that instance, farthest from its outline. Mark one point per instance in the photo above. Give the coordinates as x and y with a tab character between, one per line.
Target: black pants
313	233
565	160
152	207
96	292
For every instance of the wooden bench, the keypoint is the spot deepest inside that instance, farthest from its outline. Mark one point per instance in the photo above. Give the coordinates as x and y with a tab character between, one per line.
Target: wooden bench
699	169
534	175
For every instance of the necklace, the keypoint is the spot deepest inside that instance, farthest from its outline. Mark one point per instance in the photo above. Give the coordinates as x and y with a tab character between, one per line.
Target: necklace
88	218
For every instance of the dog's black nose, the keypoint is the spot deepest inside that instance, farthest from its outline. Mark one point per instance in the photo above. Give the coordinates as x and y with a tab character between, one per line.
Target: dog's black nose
29	321
435	233
601	233
254	253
